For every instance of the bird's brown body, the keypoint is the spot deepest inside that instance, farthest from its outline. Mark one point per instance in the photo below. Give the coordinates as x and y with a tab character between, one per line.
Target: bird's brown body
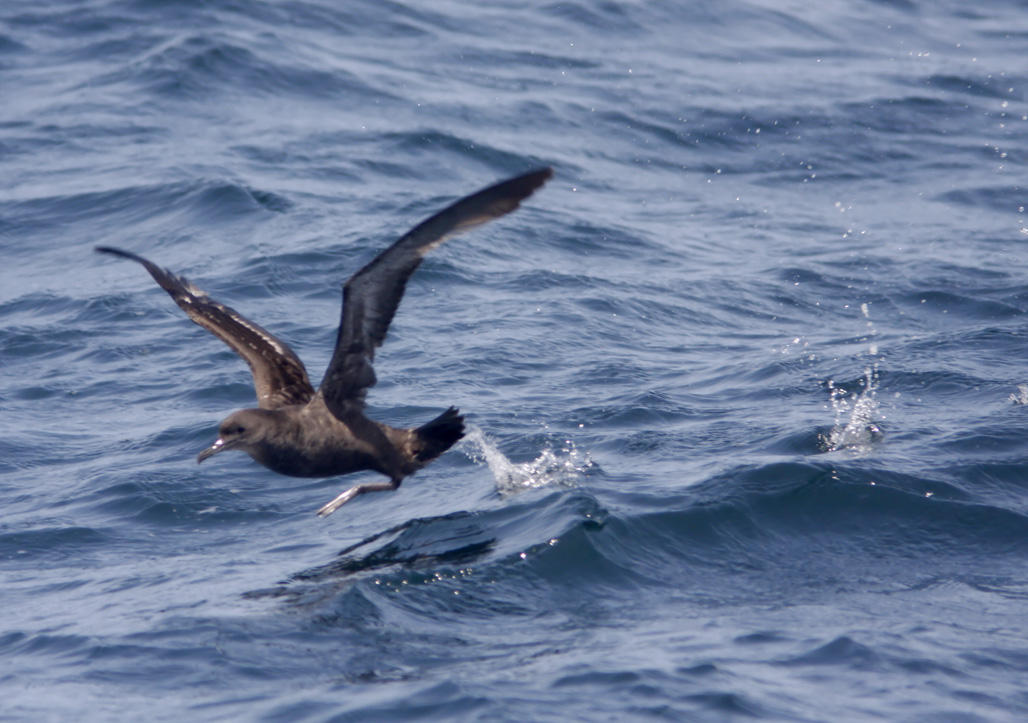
299	431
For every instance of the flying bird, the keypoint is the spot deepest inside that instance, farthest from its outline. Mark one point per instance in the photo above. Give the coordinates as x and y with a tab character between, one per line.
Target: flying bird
302	432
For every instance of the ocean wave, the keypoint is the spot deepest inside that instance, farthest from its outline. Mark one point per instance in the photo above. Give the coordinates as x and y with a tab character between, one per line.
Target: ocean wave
154	205
764	530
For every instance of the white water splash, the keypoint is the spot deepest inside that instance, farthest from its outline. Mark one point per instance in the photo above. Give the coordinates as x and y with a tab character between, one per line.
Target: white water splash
1022	395
856	413
856	416
562	467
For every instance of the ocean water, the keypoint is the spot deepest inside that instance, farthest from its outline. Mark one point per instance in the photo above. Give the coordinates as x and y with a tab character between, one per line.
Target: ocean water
746	382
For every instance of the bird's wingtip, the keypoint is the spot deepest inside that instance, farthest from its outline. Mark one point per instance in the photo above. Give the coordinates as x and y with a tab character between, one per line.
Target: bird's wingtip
543	174
113	251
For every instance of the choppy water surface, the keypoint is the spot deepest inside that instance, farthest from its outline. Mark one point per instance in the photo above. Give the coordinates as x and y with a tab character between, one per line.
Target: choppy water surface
745	382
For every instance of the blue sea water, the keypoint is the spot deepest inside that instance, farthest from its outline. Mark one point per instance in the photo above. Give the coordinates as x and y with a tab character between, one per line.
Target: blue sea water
745	383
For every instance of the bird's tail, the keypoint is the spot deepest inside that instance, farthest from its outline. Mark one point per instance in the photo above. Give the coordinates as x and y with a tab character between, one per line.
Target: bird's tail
439	435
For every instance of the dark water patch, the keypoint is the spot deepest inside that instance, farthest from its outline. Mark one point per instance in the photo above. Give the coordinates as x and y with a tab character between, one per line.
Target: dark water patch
8	45
431	142
803	442
123	47
783	520
125	666
378	167
50	543
968	85
40	445
586	240
1006	656
210	202
10	639
937	385
199	66
403	21
439	700
441	561
62	22
644	692
985	442
611	679
415	543
60	646
35	393
36	304
1004	199
701	669
845	144
645	409
22	344
780	369
267	156
68	136
925	116
541	280
226	200
841	651
617	369
350	20
522	59
646	443
816	278
630	127
937	301
607	17
577	559
925	667
761	638
980	281
170	501
727	703
992	343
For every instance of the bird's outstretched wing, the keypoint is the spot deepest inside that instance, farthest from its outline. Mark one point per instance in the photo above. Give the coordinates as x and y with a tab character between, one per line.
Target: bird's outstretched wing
278	374
371	295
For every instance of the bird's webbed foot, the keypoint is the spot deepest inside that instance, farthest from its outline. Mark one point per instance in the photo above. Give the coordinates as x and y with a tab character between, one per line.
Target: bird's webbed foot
354	491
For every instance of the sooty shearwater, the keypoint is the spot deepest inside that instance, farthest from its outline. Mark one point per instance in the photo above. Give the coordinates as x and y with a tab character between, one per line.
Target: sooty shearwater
301	432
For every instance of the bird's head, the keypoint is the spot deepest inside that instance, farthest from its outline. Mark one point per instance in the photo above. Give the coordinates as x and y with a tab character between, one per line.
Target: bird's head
244	430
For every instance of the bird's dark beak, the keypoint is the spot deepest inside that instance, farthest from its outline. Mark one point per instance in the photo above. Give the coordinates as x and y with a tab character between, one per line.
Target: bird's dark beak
218	446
